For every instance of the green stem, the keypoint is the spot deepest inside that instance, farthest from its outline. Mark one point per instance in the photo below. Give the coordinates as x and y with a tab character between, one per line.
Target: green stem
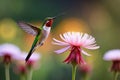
22	77
86	77
73	72
115	75
29	76
7	75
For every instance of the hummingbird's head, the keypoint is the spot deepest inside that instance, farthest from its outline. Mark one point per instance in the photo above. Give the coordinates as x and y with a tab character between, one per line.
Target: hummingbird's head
49	21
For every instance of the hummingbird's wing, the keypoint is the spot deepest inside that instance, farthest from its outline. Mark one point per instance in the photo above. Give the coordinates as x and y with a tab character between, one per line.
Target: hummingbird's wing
29	28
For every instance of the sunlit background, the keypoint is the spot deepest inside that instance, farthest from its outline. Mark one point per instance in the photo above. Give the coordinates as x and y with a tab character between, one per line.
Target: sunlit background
100	18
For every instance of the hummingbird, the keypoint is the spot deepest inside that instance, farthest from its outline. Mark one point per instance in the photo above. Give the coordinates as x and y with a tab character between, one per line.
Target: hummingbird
41	33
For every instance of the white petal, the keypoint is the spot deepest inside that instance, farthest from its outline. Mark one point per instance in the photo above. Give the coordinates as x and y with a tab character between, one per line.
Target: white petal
63	44
58	41
62	38
77	39
92	47
85	53
62	50
10	49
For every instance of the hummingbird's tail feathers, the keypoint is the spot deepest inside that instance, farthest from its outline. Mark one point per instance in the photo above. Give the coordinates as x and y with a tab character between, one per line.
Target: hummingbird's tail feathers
32	49
29	54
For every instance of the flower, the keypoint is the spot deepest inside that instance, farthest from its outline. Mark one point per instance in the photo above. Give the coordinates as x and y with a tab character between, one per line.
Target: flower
33	59
75	41
9	52
85	71
20	69
114	56
85	68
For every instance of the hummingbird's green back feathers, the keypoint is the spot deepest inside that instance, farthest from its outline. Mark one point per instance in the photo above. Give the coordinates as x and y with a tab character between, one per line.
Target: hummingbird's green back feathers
33	47
29	28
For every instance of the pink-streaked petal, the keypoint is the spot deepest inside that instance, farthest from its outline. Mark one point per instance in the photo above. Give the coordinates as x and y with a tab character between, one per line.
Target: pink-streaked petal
82	61
69	58
62	50
85	53
78	57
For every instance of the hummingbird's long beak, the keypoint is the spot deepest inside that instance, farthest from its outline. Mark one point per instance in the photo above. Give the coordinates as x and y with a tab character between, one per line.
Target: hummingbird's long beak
58	15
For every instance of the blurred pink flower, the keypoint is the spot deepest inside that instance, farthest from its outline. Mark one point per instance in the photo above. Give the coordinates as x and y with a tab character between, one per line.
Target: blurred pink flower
20	69
85	68
25	69
33	59
9	52
114	56
75	41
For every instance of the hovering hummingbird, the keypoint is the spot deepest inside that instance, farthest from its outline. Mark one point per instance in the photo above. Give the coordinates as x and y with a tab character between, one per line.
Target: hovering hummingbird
41	33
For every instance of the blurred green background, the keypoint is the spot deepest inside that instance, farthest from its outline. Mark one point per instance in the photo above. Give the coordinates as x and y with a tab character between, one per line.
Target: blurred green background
100	18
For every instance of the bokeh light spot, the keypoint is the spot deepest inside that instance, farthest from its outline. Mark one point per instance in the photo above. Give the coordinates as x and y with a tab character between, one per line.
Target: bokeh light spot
7	29
72	24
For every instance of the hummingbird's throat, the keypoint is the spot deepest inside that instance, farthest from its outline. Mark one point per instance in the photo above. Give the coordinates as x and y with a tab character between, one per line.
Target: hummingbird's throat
49	23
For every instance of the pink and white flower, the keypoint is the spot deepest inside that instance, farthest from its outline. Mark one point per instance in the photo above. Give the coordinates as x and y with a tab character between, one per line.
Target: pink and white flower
20	69
9	52
114	56
75	41
86	68
23	67
35	57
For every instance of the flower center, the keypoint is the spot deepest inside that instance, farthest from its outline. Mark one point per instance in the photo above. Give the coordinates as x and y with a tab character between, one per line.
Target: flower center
7	58
75	56
22	69
116	66
30	63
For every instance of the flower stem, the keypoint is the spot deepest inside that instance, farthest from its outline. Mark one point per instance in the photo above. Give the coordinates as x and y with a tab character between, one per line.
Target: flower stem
7	75
115	75
22	77
29	76
86	77
73	72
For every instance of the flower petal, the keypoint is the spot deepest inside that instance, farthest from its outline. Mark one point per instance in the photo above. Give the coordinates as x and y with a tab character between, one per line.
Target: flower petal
62	38
62	50
60	43
85	53
92	47
57	40
10	49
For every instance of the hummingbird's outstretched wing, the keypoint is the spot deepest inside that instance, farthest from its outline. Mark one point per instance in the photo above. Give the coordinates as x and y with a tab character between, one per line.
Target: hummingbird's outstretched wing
29	28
